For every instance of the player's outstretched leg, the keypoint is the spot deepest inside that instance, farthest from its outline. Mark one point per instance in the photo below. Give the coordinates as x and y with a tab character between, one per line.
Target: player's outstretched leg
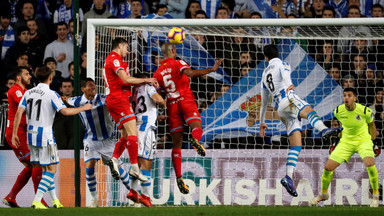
21	181
197	132
288	184
124	177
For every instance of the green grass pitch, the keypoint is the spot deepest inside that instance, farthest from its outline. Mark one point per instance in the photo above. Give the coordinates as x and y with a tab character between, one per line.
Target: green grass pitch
199	210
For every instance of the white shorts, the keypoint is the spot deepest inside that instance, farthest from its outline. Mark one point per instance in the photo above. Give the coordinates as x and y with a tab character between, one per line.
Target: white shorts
44	155
93	150
289	110
147	142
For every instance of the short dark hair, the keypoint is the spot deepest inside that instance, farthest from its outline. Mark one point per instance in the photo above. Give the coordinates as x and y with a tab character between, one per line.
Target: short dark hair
22	54
49	59
117	41
18	71
351	90
377	6
22	29
60	24
221	8
257	14
271	51
141	75
231	4
66	80
330	8
70	64
354	7
83	82
159	6
201	12
6	14
42	73
31	19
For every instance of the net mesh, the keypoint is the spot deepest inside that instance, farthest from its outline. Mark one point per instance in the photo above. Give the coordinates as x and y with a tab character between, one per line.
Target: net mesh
242	168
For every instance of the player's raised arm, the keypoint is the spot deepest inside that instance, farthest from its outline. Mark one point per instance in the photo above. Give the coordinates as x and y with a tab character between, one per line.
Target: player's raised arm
135	81
197	73
74	111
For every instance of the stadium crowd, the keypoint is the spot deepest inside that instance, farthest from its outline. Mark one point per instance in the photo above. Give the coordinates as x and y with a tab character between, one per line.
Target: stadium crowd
36	33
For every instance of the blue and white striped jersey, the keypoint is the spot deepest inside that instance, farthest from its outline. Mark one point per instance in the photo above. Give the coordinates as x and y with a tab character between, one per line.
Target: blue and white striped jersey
97	121
144	107
210	7
41	105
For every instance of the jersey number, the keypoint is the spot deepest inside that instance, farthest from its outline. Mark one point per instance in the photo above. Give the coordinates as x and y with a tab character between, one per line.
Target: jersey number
30	104
170	86
141	103
270	82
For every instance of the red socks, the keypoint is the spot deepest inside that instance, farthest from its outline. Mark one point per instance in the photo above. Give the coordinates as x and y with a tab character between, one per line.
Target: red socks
176	160
119	148
37	172
197	133
21	181
133	148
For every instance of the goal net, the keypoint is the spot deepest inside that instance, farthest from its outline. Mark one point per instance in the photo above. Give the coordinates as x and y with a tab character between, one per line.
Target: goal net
242	168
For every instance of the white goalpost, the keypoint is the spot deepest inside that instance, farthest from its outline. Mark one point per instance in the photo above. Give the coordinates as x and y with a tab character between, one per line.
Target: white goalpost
240	167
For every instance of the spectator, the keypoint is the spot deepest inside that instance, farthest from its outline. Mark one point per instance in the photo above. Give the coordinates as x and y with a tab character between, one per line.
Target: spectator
63	125
61	49
377	11
259	42
352	31
4	90
358	67
245	68
176	7
71	70
37	40
230	5
334	72
57	79
222	13
317	8
193	6
217	95
7	35
161	9
200	14
327	56
83	64
367	87
210	7
340	6
22	45
136	8
377	109
98	11
348	82
28	12
283	8
65	13
328	12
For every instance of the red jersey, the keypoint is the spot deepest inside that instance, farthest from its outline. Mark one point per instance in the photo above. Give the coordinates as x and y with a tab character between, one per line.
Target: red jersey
15	93
116	88
172	79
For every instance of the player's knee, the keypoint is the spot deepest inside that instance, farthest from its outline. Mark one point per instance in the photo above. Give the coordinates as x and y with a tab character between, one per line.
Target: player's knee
329	167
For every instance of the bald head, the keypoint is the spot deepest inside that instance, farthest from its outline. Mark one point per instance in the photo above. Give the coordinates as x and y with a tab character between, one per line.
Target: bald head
167	50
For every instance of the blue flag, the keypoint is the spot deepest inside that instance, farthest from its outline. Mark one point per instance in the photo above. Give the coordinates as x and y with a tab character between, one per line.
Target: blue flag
235	113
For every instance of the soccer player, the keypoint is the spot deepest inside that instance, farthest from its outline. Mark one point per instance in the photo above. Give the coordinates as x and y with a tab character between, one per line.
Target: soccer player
15	93
144	100
40	105
118	90
98	139
173	76
358	133
276	81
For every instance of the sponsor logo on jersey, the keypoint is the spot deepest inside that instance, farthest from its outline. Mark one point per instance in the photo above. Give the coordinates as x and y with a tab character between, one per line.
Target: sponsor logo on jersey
122	114
116	63
19	94
358	117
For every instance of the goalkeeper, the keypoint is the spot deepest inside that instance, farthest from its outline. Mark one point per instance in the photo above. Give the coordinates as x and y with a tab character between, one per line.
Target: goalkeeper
356	119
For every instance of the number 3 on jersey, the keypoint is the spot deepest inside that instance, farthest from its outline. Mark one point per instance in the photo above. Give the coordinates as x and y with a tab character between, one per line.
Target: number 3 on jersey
270	83
170	86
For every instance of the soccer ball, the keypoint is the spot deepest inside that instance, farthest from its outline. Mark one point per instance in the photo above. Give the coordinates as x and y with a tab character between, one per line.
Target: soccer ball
176	36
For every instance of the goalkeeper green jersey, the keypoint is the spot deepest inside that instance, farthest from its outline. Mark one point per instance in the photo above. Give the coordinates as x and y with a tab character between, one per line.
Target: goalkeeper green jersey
354	123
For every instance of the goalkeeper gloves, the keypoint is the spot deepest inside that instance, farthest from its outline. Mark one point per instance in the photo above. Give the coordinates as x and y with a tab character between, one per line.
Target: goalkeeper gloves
376	150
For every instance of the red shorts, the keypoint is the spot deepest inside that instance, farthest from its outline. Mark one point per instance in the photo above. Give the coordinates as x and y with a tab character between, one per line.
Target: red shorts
22	152
181	110
121	111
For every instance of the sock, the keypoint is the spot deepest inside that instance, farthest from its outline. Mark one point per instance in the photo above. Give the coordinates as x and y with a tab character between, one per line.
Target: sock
91	182
21	181
37	172
145	186
315	121
292	158
196	133
119	148
124	178
52	191
133	148
45	183
134	183
374	179
326	179
176	160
